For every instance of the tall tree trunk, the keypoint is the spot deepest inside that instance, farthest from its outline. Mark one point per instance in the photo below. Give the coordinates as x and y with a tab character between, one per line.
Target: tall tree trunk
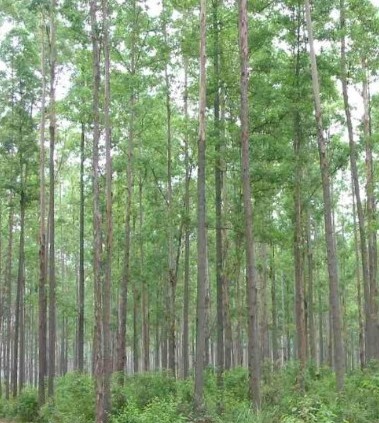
254	359
7	365
274	312
185	346
311	320
18	369
108	221
97	343
80	345
123	295
355	177
372	337
201	223
301	343
218	199
361	333
52	130
144	287
339	357
171	286
298	254
42	300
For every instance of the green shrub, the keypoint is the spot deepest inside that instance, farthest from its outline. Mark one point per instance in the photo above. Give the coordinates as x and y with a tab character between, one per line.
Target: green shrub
158	410
145	388
74	401
26	406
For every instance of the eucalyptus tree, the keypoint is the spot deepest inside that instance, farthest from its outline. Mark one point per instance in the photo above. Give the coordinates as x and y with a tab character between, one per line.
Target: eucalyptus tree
339	358
254	359
201	222
20	89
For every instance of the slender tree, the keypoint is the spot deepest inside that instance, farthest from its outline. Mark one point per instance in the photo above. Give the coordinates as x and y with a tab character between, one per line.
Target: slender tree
201	224
42	356
339	357
254	359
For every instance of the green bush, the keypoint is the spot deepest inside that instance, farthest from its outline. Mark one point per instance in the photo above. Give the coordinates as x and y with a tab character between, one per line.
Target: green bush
26	406
158	410
74	401
145	388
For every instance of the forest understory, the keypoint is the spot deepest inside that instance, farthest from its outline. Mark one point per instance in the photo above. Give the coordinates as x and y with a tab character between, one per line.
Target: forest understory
159	398
188	211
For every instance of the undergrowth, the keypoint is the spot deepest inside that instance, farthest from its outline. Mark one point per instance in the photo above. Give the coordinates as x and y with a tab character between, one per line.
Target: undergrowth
157	397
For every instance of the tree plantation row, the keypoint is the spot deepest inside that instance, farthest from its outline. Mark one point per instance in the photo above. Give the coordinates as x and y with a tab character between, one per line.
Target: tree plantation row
187	187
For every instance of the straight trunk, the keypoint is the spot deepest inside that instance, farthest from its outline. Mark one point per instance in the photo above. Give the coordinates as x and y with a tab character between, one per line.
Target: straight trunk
80	345
107	366
42	300
372	336
218	200
52	130
311	320
361	336
339	357
18	375
201	224
186	294
274	312
254	359
355	178
97	341
7	364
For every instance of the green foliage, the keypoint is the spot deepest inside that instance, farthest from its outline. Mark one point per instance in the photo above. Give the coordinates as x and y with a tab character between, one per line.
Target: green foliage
146	388
26	407
158	410
74	401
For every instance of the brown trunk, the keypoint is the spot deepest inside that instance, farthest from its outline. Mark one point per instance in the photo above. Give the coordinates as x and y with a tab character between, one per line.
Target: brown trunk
339	357
52	130
185	349
254	359
311	320
218	200
171	278
371	303
80	344
274	312
8	284
354	174
107	369
263	303
301	353
42	301
361	336
201	223
123	294
18	369
145	292
97	342
136	300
